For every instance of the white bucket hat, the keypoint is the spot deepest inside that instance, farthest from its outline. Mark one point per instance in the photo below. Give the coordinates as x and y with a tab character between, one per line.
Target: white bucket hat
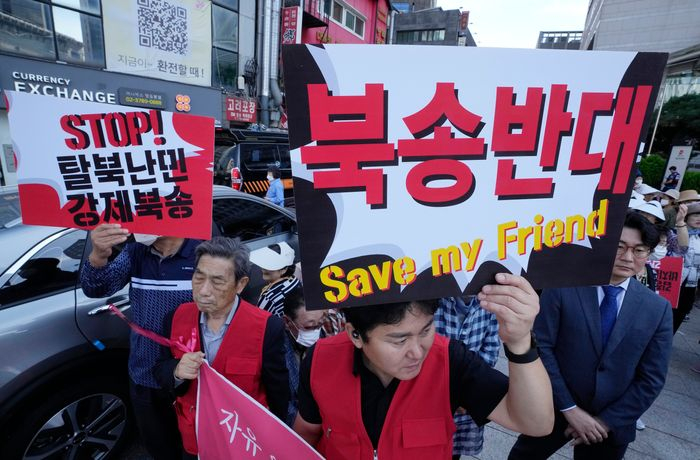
645	189
651	207
270	259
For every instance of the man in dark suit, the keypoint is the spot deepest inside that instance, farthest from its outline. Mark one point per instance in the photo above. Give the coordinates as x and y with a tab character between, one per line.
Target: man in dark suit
606	349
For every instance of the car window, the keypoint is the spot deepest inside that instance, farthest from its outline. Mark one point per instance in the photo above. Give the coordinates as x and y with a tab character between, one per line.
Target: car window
54	268
222	157
285	162
9	208
257	157
249	219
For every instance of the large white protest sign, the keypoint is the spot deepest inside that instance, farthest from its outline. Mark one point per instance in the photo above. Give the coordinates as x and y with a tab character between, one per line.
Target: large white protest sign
80	164
419	170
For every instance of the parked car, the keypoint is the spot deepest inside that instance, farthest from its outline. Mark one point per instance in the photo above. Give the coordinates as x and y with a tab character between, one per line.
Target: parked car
241	159
63	372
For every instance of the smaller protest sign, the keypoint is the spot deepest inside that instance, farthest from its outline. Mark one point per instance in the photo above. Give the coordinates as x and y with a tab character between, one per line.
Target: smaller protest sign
668	278
231	424
80	164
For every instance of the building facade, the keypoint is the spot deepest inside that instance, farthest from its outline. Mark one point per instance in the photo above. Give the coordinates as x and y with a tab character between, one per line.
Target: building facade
559	40
641	25
432	27
343	21
203	57
682	73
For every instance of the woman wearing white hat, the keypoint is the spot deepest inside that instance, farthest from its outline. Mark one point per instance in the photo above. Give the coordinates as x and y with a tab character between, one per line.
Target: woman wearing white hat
689	244
277	264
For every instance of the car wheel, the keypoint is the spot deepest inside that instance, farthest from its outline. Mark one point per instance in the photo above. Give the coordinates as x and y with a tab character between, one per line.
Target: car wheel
86	421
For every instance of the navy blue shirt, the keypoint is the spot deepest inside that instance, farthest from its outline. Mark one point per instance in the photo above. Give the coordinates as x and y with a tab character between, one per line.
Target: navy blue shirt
158	286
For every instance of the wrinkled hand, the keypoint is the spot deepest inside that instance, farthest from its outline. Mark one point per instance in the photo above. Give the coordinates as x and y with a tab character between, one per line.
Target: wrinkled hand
104	237
515	304
188	367
584	428
680	215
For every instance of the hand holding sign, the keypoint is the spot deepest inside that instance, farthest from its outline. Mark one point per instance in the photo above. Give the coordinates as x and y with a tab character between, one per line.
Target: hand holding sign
515	304
188	367
103	239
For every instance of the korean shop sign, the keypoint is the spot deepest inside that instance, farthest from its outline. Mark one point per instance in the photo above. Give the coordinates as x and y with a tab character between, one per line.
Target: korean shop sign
241	109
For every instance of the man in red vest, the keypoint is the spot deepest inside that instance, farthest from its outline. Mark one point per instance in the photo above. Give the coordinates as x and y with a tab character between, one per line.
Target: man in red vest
240	341
388	388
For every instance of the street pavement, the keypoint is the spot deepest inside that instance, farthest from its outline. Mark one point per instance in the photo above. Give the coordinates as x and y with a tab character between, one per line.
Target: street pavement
673	421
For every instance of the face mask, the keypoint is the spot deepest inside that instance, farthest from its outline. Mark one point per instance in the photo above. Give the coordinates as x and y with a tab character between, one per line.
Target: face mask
308	338
659	251
144	239
664	203
270	178
638	180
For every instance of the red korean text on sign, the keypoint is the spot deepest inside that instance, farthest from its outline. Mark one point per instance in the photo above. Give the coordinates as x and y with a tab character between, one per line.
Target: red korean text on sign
510	117
441	155
350	132
517	129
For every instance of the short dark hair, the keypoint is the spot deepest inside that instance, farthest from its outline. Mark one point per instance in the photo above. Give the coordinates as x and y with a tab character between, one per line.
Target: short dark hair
364	319
647	230
275	170
293	302
672	168
226	248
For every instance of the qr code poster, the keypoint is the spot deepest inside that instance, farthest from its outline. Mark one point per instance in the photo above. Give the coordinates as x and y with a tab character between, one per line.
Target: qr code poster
166	39
80	164
422	181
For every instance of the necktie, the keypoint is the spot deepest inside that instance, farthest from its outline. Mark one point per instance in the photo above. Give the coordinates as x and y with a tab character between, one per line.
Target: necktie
608	311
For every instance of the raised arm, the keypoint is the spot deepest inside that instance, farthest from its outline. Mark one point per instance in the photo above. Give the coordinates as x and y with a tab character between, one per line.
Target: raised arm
527	407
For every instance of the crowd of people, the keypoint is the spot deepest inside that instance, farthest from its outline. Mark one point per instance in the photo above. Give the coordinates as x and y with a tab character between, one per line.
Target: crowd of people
410	379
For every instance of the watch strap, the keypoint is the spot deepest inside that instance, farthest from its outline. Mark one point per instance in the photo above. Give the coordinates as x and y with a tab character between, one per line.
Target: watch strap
529	356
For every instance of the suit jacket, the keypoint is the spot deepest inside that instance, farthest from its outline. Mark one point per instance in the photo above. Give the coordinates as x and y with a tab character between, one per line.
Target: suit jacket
617	383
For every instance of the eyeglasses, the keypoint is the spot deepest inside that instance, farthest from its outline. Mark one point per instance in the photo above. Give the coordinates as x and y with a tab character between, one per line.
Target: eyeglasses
639	252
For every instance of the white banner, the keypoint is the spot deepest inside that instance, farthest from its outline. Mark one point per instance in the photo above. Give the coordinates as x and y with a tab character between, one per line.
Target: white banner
170	40
675	169
415	167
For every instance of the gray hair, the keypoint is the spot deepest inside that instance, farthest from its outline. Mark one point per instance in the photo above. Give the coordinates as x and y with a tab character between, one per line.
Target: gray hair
227	248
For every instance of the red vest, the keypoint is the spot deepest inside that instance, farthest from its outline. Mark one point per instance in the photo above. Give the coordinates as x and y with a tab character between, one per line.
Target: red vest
419	424
239	359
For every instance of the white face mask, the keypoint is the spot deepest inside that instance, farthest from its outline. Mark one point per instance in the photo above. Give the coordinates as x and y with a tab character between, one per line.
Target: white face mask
308	338
270	178
660	251
144	239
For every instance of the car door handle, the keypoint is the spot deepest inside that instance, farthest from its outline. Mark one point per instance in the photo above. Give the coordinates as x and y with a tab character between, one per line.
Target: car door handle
104	308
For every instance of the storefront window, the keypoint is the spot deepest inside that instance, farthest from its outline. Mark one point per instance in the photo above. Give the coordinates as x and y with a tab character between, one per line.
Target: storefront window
78	37
88	6
225	69
225	28
232	4
26	28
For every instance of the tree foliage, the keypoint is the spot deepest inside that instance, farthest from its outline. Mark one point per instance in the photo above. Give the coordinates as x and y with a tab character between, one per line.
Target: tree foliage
652	168
679	124
691	181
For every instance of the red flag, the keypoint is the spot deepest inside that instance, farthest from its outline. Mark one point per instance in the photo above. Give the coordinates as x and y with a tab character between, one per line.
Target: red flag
231	424
668	278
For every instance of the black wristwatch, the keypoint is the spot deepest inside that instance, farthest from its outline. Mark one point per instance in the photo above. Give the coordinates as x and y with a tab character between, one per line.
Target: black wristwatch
529	356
